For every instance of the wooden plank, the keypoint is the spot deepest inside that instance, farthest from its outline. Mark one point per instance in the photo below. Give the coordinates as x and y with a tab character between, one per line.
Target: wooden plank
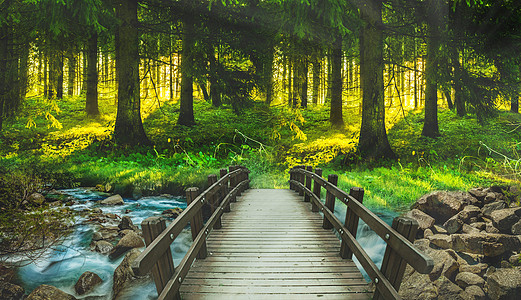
276	282
271	290
275	276
296	296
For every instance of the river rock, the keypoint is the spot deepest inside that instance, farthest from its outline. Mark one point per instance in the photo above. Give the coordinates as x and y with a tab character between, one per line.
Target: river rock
504	219
465	279
489	208
424	220
123	272
442	205
129	241
473	292
49	292
87	282
103	247
172	212
504	284
9	291
97	236
126	223
113	200
36	198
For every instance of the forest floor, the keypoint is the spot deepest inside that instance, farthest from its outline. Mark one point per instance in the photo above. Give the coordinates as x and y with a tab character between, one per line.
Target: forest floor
59	144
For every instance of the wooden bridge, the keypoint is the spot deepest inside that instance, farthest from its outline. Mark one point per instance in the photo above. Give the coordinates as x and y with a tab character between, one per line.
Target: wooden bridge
274	244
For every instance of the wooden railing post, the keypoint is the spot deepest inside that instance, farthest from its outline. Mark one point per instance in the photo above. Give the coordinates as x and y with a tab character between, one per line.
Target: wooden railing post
233	181
196	224
246	177
164	267
308	182
214	200
330	201
316	190
224	188
393	265
351	222
301	179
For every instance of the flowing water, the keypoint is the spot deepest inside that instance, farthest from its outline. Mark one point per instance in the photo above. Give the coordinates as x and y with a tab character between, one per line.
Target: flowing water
63	265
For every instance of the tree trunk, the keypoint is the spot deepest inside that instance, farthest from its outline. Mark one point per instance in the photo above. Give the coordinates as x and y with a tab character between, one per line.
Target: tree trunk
206	96
268	76
23	74
316	79
430	124
59	76
449	99
128	129
373	142
303	79
45	73
215	92
296	82
4	88
72	73
335	115
92	76
84	73
186	113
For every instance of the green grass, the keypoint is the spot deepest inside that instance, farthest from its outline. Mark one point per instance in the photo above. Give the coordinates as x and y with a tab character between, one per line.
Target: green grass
269	141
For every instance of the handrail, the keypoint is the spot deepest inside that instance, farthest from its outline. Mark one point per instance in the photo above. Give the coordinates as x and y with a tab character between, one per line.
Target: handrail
405	249
161	244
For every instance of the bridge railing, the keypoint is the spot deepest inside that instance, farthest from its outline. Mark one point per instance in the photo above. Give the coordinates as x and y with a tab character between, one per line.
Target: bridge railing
157	256
399	237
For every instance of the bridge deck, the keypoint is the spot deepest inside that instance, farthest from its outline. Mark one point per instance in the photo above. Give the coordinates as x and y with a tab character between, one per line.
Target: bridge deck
272	246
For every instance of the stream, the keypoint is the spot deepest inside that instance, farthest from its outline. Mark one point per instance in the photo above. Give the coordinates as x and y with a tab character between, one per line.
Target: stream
62	265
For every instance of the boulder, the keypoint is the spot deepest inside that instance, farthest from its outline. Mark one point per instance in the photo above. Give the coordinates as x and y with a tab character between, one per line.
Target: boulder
465	279
113	200
478	193
453	224
489	228
441	240
428	232
87	282
493	249
515	260
469	229
9	291
103	247
126	223
478	269
129	241
48	292
447	289
490	197
485	244
36	198
442	205
439	229
123	272
504	219
417	286
473	292
479	225
468	213
489	208
96	236
172	212
424	220
504	284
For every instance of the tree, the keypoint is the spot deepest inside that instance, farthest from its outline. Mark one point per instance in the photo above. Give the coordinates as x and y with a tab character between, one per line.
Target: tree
335	115
434	21
91	101
373	142
128	129
186	112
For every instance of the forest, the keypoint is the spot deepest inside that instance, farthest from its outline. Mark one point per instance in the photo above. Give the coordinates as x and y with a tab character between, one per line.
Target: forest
148	97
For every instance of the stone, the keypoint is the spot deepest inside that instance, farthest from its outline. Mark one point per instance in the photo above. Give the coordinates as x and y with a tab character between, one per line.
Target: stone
427	233
442	205
493	249
36	198
479	225
96	236
478	193
504	219
504	284
485	244
439	229
489	198
473	292
9	291
172	212
103	247
465	279
129	241
515	260
489	228
469	229
441	240
516	228
424	220
447	289
126	223
453	224
489	208
48	292
123	272
122	233
478	269
469	212
87	282
417	286
113	200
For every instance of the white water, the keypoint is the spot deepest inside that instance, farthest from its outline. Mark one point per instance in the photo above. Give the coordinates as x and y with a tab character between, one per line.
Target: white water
63	265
